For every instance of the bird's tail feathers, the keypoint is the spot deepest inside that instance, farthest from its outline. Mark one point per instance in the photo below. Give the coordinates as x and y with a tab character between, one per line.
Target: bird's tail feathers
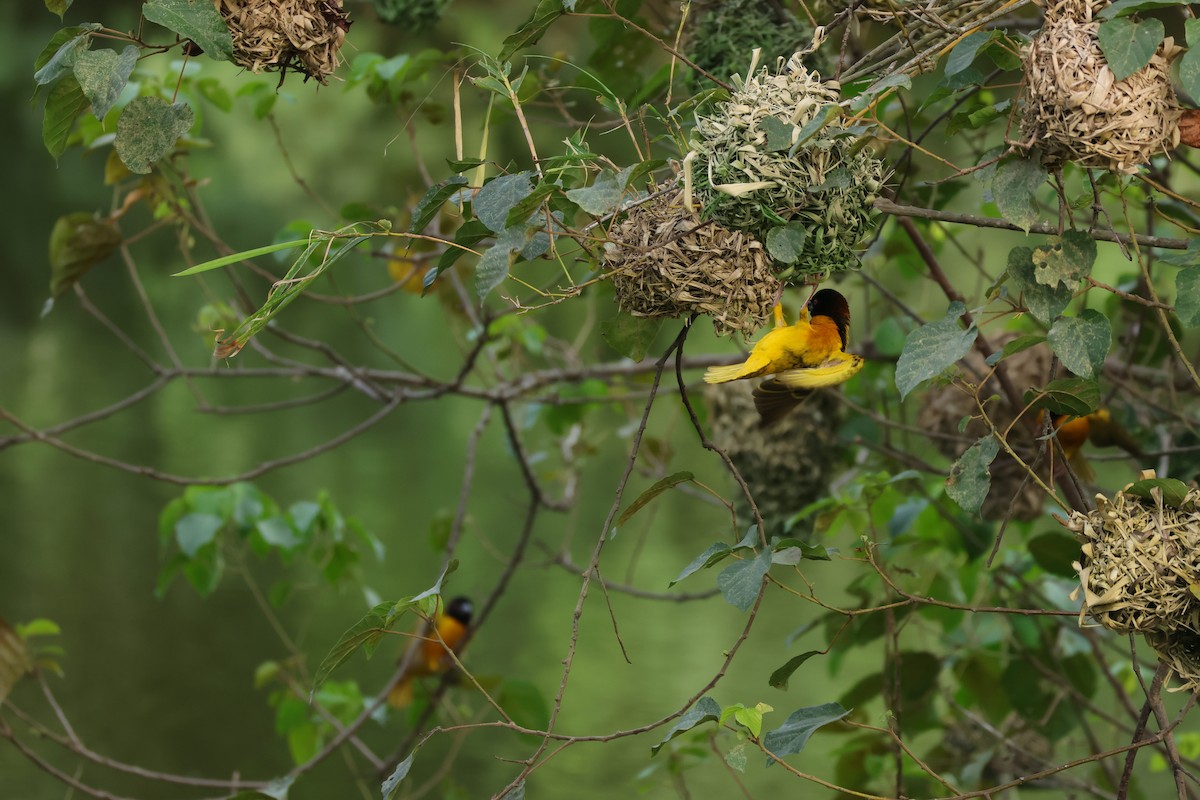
724	374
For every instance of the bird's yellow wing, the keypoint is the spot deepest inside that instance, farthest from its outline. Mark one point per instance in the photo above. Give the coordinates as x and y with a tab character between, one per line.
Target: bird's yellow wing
838	369
772	353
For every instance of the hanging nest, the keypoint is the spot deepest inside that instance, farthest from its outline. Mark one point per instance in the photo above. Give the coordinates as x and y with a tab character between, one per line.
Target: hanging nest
280	35
724	30
788	465
1076	110
1140	563
745	178
1179	650
1012	494
415	16
665	263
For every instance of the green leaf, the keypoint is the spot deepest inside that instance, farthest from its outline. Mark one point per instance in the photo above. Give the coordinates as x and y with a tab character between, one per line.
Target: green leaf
14	659
825	114
1018	345
367	631
524	211
38	627
785	243
148	129
233	258
493	266
932	348
498	196
195	531
58	56
197	20
1068	261
1044	302
78	242
1081	343
630	335
779	678
1128	44
705	710
963	54
791	737
433	200
1122	7
741	581
713	554
792	551
604	195
58	7
392	782
277	532
524	704
102	74
1054	553
544	15
64	103
1189	62
779	133
1187	295
1014	188
1075	396
1173	491
969	478
654	491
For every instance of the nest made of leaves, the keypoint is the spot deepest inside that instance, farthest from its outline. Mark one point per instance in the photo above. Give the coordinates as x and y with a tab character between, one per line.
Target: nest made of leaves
1140	562
305	36
1179	650
665	263
746	179
1076	110
787	465
1013	493
723	31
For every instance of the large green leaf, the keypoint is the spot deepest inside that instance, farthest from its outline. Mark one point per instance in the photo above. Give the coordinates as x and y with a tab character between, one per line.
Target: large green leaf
604	195
1074	396
780	677
654	491
1189	62
1128	44
969	478
148	129
102	74
433	200
1067	262
197	20
58	7
630	335
58	57
1055	552
741	581
711	555
64	103
1044	302
497	198
1187	295
932	348
791	737
1081	343
544	15
705	710
78	242
368	630
1173	491
785	243
1015	186
963	54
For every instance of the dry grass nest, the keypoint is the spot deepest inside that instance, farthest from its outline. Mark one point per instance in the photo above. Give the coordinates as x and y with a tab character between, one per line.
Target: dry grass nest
787	466
1012	494
1141	563
665	263
280	35
1076	109
1179	650
746	177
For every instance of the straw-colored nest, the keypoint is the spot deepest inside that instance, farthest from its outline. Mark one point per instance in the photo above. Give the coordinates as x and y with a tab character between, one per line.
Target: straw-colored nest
1011	494
1076	110
725	31
786	466
279	35
1179	650
1141	563
665	263
747	180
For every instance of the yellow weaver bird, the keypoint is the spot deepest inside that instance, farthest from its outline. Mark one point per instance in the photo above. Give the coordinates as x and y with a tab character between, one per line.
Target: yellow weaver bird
808	355
433	657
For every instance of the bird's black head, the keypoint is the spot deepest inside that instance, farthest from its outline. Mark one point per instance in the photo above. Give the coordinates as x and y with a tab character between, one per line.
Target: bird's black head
830	303
461	609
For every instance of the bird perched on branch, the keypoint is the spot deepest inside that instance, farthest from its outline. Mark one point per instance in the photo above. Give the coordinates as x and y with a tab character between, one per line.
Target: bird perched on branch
808	355
447	633
1100	429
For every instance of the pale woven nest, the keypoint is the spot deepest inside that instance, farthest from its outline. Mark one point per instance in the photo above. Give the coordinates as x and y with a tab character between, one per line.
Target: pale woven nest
279	35
665	263
1141	560
1076	109
746	181
1011	494
1179	650
787	466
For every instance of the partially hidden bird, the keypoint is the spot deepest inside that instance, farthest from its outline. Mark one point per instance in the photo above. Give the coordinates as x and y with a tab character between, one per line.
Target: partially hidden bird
808	355
1100	429
447	633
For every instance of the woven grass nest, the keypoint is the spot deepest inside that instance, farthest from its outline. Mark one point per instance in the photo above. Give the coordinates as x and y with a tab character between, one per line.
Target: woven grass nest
1076	109
747	180
1011	495
787	465
1140	567
665	263
279	35
1179	650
